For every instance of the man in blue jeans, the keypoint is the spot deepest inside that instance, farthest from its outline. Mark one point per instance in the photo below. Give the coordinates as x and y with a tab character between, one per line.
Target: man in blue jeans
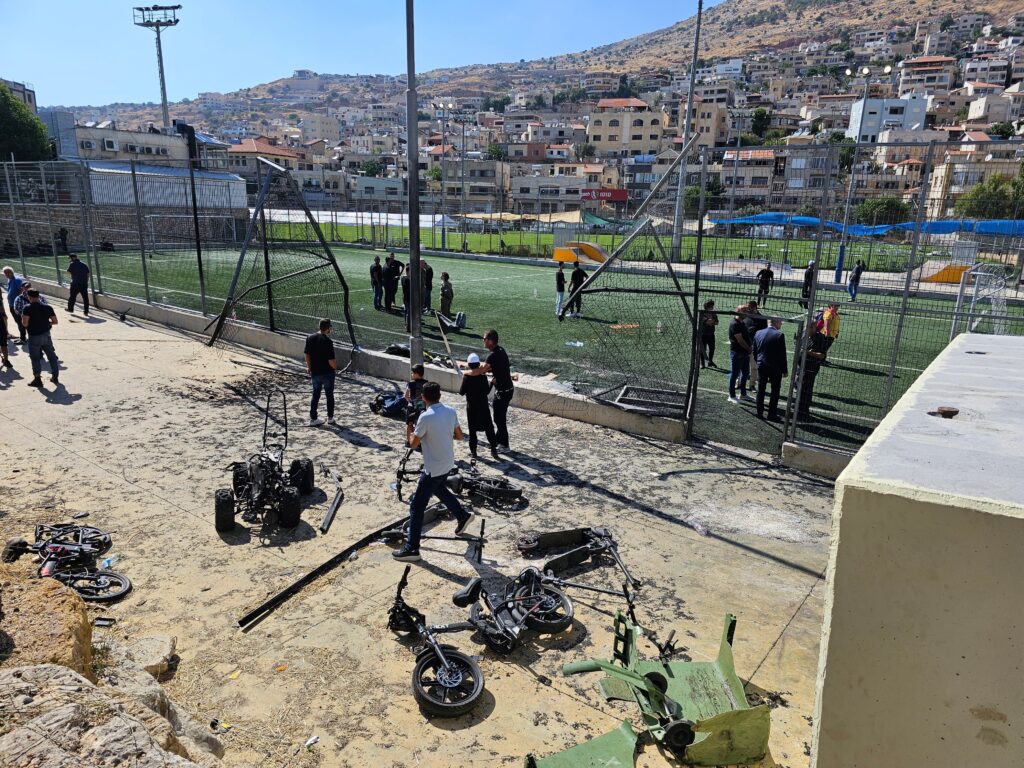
739	356
321	364
435	432
38	318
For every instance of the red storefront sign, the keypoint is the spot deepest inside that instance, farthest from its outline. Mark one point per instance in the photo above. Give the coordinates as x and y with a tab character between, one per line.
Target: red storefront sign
608	195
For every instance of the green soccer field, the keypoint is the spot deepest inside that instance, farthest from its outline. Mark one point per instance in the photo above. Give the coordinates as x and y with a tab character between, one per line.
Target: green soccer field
518	300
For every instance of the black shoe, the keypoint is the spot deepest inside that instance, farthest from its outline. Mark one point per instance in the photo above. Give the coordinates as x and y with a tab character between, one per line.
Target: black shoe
494	454
36	382
407	555
54	379
464	524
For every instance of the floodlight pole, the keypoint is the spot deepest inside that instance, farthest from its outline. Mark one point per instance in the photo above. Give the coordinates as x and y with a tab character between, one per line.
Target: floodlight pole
156	17
677	220
413	178
841	257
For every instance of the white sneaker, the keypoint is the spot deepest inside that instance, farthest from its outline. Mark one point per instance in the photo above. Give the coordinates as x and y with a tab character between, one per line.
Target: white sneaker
332	422
734	400
316	422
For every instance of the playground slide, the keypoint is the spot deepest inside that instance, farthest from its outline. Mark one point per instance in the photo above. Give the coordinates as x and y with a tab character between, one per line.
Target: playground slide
936	271
592	251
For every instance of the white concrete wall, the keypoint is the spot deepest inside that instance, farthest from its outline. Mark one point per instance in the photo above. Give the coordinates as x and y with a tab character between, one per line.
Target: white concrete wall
922	655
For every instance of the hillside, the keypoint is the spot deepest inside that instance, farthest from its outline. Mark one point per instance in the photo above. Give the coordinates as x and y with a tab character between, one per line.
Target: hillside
733	27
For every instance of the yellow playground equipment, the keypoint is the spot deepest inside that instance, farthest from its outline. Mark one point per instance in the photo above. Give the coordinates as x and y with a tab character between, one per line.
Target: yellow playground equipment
579	251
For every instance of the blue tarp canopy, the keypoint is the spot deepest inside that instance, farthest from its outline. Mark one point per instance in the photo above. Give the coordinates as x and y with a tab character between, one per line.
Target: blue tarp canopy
1005	227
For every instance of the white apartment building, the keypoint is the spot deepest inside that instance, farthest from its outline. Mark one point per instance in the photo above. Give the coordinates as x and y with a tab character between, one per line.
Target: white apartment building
872	116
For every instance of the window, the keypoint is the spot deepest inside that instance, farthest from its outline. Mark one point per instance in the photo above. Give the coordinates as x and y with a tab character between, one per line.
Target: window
596	138
524	190
654	137
613	137
613	123
759	181
598	122
638	123
637	137
654	122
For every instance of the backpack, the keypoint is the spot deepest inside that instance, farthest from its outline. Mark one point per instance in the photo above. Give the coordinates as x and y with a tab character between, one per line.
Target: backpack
819	319
460	320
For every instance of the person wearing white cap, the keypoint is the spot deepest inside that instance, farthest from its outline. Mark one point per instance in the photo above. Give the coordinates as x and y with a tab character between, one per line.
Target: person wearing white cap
478	414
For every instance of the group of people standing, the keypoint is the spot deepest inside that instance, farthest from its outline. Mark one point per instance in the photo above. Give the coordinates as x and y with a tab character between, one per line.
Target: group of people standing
34	318
387	278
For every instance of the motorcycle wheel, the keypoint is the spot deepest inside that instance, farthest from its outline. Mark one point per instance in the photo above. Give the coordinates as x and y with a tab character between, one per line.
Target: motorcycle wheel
223	511
289	508
552	608
307	477
13	549
447	693
496	489
97	586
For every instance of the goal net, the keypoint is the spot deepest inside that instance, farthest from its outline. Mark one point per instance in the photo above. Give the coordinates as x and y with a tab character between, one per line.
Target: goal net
286	278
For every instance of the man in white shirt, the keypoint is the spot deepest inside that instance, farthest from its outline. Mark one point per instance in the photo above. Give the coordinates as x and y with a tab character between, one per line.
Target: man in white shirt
435	432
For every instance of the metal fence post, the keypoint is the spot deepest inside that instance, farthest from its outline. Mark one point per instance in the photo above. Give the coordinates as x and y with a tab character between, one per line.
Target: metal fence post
14	218
199	244
92	258
142	233
922	201
49	223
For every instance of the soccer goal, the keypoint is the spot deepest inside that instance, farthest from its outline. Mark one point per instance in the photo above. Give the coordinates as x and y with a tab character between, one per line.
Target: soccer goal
286	278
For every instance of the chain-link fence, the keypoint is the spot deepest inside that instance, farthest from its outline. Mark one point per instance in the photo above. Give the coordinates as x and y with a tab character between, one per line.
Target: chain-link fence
910	243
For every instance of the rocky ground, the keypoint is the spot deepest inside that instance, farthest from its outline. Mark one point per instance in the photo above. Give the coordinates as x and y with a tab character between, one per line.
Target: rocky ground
139	435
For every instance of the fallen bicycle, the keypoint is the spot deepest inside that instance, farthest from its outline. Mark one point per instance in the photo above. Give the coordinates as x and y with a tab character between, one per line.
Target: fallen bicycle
447	682
496	491
68	553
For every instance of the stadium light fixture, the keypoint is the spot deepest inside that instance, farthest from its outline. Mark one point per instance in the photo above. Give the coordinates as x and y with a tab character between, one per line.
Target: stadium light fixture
157	17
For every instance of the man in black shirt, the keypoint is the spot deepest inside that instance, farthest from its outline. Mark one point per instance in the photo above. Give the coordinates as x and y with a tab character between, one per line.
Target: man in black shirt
765	281
38	318
769	349
559	289
406	298
321	364
392	273
497	364
739	356
377	283
79	283
578	278
815	350
754	322
427	281
805	290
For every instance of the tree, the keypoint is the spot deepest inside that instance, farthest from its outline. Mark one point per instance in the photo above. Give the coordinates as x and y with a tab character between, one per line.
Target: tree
21	132
496	104
713	191
626	89
496	152
539	102
585	150
372	168
882	210
760	121
434	174
991	199
750	140
845	160
1002	130
946	23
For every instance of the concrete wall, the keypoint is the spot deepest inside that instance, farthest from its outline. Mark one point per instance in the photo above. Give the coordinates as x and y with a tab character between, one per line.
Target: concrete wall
922	655
567	405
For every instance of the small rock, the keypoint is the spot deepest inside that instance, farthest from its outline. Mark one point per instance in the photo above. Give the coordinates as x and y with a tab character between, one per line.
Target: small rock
153	653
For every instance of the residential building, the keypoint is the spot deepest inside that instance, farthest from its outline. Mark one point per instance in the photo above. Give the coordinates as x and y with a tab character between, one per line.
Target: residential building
624	128
985	69
710	121
975	161
106	142
599	83
320	126
946	108
994	109
485	184
927	74
243	159
546	193
872	116
23	92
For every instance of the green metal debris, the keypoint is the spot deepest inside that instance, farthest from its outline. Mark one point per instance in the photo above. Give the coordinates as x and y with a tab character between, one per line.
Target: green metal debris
615	749
696	709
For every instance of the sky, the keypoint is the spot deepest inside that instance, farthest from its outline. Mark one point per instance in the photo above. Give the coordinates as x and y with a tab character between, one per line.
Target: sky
89	52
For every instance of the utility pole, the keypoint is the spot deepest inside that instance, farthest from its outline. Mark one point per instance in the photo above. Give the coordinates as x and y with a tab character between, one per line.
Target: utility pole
677	219
156	17
413	176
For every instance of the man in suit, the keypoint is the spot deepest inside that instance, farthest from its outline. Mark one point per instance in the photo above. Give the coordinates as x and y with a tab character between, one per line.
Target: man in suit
770	351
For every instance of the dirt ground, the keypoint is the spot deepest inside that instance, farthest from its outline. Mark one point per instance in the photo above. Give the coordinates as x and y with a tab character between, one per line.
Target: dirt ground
139	435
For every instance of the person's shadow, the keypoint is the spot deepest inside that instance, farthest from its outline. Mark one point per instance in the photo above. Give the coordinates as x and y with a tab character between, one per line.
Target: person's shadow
60	395
8	376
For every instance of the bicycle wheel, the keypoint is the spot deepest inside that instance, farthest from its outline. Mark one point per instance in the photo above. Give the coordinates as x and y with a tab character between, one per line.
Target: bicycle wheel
97	586
77	534
548	609
447	692
496	489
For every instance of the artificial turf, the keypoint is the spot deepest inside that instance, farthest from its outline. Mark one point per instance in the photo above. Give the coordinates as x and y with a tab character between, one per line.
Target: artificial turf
851	395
